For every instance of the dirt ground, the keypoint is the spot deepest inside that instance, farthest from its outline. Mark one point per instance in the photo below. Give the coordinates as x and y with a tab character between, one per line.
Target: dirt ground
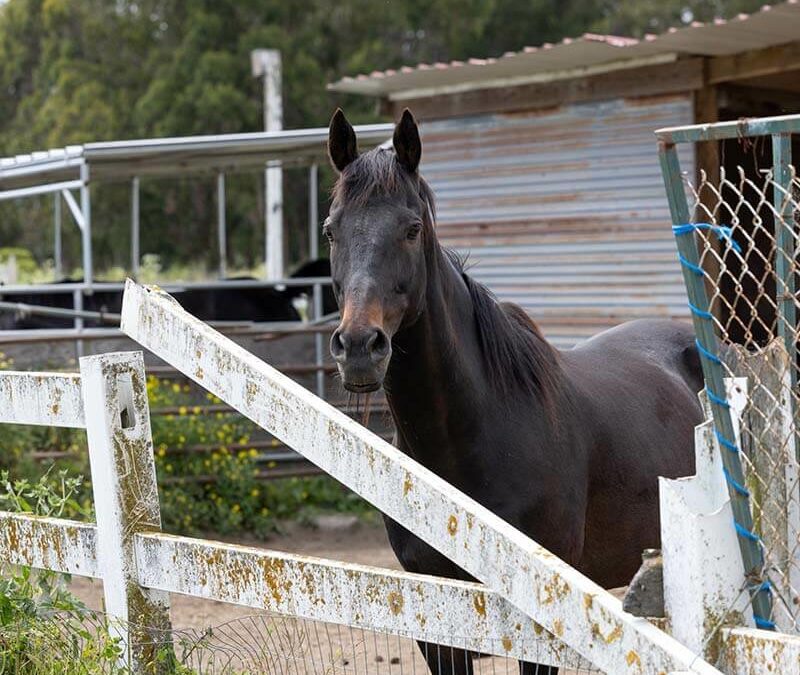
215	637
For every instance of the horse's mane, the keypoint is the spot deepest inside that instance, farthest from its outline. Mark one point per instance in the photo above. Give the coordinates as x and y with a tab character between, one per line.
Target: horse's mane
514	350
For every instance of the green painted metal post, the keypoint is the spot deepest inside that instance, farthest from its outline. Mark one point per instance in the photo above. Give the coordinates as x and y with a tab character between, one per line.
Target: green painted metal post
785	254
715	378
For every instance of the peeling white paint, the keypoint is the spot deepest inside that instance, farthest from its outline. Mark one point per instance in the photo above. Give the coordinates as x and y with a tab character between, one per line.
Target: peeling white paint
750	651
49	399
444	611
66	546
566	603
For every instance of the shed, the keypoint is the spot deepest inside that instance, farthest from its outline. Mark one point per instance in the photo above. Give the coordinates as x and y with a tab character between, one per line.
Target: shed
544	160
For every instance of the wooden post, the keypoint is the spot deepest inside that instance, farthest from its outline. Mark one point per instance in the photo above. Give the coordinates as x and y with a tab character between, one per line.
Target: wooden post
126	502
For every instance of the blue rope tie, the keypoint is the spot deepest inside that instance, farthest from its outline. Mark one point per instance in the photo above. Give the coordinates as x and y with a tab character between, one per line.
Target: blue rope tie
716	399
741	489
723	233
703	314
690	265
747	534
725	442
761	622
707	354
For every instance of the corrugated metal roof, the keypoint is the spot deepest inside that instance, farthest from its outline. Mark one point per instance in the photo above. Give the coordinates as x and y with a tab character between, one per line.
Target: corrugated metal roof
563	213
160	156
771	25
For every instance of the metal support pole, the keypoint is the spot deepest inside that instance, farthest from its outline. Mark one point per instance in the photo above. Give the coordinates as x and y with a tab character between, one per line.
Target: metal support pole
221	234
785	253
319	347
714	375
57	251
77	305
266	63
135	228
86	232
313	212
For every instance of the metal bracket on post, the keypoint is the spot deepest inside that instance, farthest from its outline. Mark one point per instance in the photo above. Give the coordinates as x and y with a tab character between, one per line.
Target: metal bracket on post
126	503
135	228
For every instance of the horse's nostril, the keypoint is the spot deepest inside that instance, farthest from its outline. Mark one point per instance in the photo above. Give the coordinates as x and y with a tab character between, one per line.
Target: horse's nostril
378	345
338	347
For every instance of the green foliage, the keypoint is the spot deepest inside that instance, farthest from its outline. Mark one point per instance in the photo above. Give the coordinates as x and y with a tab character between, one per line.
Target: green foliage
44	629
208	474
86	70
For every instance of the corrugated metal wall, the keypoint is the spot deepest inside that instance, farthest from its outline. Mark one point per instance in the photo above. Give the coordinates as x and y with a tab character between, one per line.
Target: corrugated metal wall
563	212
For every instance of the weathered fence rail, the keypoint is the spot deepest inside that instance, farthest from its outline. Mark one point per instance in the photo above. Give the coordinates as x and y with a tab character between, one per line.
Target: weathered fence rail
544	588
531	605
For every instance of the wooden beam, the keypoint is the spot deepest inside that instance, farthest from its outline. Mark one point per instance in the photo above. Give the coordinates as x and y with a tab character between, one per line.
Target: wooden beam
756	63
683	75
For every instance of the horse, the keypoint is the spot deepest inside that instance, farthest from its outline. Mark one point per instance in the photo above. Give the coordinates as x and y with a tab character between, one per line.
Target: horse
564	445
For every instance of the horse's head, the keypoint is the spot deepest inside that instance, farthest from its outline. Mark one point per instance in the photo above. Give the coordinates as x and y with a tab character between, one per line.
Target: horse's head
376	230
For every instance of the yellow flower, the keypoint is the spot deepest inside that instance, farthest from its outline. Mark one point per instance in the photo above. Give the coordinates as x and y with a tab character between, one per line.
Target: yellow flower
176	388
236	508
182	410
161	452
255	492
253	452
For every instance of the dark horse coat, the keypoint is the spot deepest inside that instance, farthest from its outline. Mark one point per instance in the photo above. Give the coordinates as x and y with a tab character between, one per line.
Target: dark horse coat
567	446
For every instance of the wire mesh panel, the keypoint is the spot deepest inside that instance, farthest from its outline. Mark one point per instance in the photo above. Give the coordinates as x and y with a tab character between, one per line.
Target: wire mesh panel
263	643
737	233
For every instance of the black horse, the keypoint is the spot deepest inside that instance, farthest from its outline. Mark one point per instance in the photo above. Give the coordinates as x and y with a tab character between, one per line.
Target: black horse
564	445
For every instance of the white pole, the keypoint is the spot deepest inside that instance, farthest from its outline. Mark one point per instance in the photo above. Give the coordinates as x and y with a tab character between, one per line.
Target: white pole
267	64
135	229
221	234
86	232
126	502
57	252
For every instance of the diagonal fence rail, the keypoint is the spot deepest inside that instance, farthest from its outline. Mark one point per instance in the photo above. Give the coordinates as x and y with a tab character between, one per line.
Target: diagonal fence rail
567	604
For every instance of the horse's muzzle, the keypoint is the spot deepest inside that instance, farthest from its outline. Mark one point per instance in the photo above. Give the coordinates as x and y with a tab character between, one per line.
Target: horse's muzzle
362	356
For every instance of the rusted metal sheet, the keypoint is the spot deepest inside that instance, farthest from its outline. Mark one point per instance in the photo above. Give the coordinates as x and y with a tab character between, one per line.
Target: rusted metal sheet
445	611
749	651
49	399
572	607
66	546
563	210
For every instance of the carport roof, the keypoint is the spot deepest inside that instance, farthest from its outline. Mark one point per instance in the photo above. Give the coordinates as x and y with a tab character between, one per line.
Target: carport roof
116	160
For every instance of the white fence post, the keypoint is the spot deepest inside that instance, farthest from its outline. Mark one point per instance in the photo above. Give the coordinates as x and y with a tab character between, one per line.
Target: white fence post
126	502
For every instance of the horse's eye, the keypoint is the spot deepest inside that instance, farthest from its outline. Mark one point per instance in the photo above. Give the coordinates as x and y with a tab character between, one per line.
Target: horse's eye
401	288
413	232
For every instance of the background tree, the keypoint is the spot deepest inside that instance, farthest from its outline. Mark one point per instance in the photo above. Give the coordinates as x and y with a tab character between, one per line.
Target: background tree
74	71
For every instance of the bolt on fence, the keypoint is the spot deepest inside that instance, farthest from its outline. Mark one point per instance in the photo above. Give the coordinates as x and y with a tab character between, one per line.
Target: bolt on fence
736	229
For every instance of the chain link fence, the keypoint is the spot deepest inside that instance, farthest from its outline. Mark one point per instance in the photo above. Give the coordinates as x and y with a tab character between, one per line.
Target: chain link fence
738	249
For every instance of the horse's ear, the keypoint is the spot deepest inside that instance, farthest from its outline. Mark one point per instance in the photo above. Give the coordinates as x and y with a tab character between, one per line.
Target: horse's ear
342	146
406	142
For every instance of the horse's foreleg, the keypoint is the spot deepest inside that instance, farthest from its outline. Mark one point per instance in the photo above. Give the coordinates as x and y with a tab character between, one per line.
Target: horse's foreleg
536	669
446	660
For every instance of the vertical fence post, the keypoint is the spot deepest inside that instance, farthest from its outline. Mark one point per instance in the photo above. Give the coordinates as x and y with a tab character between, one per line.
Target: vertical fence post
135	228
126	502
749	543
57	254
222	244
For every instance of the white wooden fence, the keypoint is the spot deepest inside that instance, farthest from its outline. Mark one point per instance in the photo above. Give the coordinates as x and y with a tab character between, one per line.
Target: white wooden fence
530	605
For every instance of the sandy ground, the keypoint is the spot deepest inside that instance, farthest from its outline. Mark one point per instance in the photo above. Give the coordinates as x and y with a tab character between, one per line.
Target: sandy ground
242	640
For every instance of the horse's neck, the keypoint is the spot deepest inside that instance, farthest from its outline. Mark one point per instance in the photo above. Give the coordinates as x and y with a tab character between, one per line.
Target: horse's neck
435	381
